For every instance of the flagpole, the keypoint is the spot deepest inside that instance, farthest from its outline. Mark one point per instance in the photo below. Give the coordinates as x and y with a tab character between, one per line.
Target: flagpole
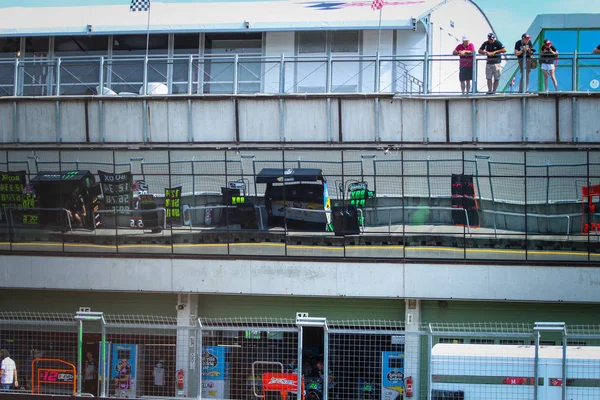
148	29
379	30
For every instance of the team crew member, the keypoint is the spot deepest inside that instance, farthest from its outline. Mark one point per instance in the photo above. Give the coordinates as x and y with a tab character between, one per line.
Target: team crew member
8	371
492	48
465	67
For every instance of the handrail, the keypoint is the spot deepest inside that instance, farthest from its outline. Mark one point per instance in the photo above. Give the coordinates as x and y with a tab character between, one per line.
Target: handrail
133	211
418	208
567	216
220	206
409	78
11	209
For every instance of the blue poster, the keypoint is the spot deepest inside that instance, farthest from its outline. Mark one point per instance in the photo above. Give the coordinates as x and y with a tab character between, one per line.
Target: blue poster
215	372
392	375
123	364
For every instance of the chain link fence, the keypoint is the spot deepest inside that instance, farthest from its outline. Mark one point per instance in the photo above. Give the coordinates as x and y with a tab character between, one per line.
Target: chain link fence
136	356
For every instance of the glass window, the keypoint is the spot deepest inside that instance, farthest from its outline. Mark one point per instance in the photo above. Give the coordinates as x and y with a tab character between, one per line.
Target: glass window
344	42
128	74
80	45
37	46
187	43
9	47
136	44
588	40
219	69
312	42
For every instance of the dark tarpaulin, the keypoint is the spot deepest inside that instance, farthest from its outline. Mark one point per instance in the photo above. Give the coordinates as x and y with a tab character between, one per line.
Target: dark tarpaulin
281	175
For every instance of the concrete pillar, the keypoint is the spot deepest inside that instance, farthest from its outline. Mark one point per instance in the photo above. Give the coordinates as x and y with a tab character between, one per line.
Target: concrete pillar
186	354
413	344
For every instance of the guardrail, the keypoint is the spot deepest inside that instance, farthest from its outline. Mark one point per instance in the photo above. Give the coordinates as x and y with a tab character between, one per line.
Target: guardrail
124	213
218	207
376	209
153	75
566	216
35	209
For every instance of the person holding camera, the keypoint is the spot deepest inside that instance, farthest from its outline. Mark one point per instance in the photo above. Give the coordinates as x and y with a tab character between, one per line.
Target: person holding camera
548	57
524	47
492	48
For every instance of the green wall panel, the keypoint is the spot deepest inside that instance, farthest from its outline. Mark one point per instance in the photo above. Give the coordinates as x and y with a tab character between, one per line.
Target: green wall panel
215	306
479	311
70	301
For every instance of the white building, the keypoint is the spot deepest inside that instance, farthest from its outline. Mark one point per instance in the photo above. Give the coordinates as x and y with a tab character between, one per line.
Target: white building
263	46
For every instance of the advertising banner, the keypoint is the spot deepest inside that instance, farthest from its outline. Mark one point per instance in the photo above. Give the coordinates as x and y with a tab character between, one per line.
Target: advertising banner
123	369
392	375
215	372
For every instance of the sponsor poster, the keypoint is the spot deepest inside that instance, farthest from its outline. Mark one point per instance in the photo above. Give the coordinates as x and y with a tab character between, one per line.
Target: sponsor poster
123	363
392	375
215	372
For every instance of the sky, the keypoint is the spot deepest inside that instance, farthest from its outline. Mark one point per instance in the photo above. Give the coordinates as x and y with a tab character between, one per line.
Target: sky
511	18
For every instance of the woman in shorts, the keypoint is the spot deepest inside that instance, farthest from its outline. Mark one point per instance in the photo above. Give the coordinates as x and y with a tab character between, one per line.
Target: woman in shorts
548	57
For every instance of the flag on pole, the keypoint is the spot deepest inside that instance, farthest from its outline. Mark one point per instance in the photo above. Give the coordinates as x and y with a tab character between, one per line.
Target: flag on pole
377	5
513	81
139	5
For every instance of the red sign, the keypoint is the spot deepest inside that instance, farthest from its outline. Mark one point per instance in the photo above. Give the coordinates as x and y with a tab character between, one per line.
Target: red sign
516	381
279	382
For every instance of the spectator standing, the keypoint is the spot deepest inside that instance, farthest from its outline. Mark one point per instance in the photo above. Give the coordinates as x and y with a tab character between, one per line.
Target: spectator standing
8	371
90	381
465	67
492	48
524	47
596	50
548	57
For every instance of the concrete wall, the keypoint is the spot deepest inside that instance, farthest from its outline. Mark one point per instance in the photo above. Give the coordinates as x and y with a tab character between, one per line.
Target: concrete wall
498	119
337	279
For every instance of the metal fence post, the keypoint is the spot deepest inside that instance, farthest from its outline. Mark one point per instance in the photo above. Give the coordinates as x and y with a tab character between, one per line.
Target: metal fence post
58	65
145	80
574	68
429	359
190	75
16	78
101	79
425	73
282	74
328	77
377	73
236	60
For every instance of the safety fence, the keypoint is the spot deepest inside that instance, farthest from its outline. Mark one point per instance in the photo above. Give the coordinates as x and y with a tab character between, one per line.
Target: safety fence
91	353
408	203
249	74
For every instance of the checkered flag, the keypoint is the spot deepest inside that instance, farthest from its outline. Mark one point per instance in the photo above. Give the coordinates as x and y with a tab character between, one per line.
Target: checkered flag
377	5
139	5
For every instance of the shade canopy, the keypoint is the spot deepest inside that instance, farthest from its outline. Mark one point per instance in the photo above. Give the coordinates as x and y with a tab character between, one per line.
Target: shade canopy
73	17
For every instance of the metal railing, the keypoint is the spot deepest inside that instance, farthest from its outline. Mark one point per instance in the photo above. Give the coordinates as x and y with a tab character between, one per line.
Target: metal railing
249	74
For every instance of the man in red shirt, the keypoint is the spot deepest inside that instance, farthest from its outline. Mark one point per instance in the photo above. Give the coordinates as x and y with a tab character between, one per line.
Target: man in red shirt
465	50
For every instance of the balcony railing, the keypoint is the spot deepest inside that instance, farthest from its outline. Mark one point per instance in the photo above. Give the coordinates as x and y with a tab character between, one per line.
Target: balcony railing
241	74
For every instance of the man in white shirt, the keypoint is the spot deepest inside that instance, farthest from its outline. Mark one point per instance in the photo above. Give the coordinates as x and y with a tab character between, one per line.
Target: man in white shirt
8	371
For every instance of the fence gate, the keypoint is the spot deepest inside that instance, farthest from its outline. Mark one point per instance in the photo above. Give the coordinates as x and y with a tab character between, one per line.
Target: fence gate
44	348
243	358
